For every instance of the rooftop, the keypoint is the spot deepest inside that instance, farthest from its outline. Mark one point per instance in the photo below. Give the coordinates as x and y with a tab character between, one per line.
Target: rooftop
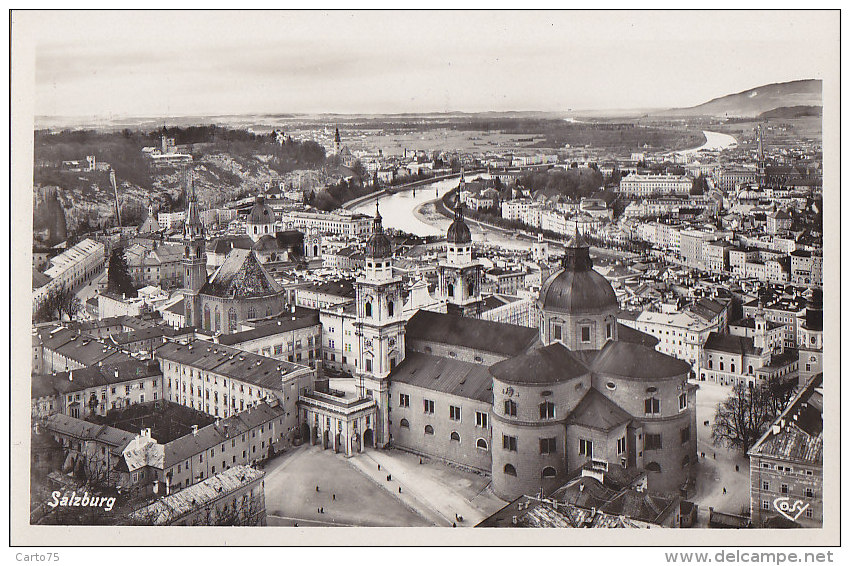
462	379
495	337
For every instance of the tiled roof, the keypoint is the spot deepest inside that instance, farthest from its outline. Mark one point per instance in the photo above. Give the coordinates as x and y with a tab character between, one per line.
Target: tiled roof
283	324
463	379
229	362
597	411
241	276
637	362
797	434
551	364
741	345
495	337
172	507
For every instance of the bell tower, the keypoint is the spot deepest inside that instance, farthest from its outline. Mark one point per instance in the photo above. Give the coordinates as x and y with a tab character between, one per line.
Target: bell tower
379	327
460	276
194	256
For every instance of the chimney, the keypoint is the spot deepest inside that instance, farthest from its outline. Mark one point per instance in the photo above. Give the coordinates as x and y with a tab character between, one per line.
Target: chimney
194	430
116	373
71	375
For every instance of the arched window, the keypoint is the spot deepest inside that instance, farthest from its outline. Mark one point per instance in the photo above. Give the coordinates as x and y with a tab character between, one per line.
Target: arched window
750	370
429	429
451	290
710	364
390	308
252	313
470	288
481	443
721	366
455	436
217	320
316	251
231	319
206	317
404	423
549	472
510	408
732	367
653	467
510	470
255	230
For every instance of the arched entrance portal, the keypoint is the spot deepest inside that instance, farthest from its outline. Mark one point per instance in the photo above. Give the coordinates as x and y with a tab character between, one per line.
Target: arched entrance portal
369	438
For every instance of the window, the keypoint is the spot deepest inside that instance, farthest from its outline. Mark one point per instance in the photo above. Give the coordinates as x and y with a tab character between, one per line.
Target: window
369	365
784	489
403	400
404	423
428	406
556	330
429	429
510	408
368	309
454	413
686	434
455	437
765	486
549	472
585	447
585	334
510	470
683	401
548	446
547	410
481	419
509	442
652	406
810	492
809	513
652	441
390	308
451	290
765	504
609	330
481	444
621	445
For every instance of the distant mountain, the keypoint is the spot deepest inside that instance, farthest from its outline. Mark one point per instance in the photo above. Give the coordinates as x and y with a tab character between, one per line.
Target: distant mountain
793	112
756	101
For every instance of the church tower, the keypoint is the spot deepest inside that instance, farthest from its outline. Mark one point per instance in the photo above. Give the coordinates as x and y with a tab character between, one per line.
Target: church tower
194	256
460	276
379	327
337	142
762	179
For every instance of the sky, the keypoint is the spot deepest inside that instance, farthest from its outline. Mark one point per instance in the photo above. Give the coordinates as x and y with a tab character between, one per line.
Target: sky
218	62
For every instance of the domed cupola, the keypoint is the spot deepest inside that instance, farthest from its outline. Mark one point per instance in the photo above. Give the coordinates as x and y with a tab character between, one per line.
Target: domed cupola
379	245
261	219
578	306
458	232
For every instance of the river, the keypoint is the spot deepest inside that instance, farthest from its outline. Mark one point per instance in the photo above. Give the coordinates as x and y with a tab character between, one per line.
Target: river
399	211
714	141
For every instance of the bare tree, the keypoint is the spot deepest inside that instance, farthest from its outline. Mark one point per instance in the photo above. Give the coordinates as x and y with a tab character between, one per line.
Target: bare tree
743	417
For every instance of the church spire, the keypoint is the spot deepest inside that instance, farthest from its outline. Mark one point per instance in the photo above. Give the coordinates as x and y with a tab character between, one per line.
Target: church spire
193	226
577	253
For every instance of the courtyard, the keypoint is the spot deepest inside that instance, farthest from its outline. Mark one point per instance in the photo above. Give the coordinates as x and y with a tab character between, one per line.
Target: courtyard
716	469
355	492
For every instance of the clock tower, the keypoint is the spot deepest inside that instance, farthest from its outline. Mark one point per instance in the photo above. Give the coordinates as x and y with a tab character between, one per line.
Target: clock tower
460	276
379	327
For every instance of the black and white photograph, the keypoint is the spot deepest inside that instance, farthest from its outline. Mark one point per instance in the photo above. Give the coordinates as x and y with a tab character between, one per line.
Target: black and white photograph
515	273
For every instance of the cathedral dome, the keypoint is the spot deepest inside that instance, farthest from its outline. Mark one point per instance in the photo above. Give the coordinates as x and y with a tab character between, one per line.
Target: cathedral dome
577	287
261	213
